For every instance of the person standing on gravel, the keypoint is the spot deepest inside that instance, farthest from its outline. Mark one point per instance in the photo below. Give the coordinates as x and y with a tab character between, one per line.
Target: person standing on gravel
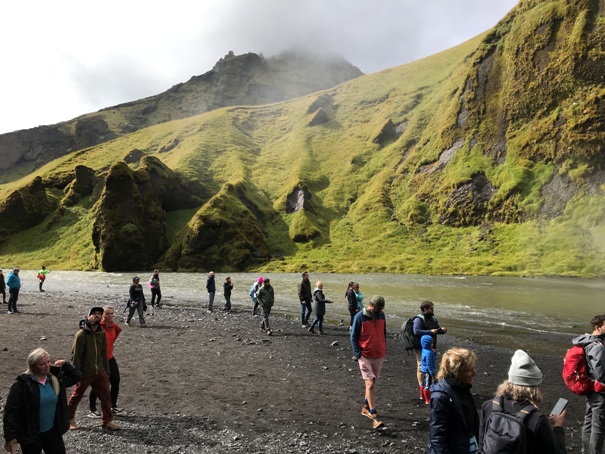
227	288
266	297
254	293
3	287
426	324
42	277
369	342
89	355
13	282
306	298
154	285
137	302
211	287
112	331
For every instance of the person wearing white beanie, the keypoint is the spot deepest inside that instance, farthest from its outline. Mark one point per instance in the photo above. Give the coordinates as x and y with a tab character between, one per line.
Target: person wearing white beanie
519	391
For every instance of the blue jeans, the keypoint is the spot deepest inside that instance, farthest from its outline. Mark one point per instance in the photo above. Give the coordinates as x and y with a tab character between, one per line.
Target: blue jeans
305	311
319	321
593	429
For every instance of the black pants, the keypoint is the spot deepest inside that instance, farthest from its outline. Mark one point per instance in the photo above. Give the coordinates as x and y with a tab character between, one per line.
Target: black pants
114	382
155	292
51	442
12	299
3	292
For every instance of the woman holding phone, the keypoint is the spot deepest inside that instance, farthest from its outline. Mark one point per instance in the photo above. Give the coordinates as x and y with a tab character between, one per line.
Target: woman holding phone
521	392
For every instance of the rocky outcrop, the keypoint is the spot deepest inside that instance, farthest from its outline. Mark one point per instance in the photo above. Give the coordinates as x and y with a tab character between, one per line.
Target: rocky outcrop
468	204
81	186
26	207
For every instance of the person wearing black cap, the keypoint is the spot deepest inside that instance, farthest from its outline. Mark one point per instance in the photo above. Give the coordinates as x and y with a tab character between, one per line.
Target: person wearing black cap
89	355
137	302
521	393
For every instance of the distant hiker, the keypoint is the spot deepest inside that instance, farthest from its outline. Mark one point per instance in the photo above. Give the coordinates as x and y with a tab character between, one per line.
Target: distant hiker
112	331
154	284
42	277
13	282
520	395
369	343
454	422
227	288
351	302
136	302
211	287
89	355
266	297
35	414
428	366
593	430
306	298
254	293
426	324
319	302
2	287
358	296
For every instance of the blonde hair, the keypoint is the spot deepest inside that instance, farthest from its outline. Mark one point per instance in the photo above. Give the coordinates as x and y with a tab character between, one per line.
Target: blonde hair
455	361
519	392
36	356
319	284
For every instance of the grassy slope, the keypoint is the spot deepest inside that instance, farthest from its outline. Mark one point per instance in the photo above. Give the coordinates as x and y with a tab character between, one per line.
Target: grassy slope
375	210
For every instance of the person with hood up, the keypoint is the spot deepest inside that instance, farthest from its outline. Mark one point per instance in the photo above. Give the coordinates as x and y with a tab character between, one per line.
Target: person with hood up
593	429
428	366
319	308
35	414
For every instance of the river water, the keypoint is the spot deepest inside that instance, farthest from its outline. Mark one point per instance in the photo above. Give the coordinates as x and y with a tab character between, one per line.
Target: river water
536	314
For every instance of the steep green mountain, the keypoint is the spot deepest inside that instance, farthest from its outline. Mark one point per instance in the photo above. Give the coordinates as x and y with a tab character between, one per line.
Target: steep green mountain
483	159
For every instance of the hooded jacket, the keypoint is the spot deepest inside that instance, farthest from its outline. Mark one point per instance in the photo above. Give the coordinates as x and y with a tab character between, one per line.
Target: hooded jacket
428	359
89	351
22	410
13	281
369	335
319	302
594	351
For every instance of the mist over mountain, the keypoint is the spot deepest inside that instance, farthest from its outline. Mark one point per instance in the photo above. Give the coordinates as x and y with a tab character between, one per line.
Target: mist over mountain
486	158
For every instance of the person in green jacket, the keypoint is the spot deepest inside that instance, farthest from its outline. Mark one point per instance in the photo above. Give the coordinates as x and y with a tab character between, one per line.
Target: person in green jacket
42	277
265	299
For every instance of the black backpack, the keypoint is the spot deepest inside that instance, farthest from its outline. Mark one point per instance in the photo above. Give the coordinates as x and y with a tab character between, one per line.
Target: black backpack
408	339
504	431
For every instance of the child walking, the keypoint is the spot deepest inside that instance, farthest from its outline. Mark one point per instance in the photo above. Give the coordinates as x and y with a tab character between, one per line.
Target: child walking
428	366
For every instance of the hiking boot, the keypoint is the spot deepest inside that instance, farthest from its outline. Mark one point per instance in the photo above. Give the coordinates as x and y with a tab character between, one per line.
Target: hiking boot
94	414
366	412
377	424
112	426
143	325
321	333
72	424
311	330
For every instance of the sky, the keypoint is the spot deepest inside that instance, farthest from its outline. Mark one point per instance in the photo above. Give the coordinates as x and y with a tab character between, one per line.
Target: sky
65	58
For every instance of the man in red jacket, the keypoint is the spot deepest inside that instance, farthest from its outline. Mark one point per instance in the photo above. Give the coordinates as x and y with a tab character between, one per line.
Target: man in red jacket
369	342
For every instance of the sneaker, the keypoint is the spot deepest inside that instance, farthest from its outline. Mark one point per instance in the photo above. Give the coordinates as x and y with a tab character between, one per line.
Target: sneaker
116	411
72	424
127	323
269	332
9	312
304	325
94	415
321	332
112	426
311	330
377	424
143	325
366	412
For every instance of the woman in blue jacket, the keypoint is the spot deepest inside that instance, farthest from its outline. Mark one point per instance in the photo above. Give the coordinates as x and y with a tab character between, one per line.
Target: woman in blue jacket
13	282
454	421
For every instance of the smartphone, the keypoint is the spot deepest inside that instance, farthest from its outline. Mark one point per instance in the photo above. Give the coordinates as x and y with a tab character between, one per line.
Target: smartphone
559	407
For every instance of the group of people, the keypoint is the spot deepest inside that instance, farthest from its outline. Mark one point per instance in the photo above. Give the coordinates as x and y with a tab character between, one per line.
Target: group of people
13	283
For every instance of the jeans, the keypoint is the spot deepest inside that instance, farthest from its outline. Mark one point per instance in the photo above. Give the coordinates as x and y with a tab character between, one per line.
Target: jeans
156	292
114	382
139	306
12	299
210	300
305	311
594	424
319	321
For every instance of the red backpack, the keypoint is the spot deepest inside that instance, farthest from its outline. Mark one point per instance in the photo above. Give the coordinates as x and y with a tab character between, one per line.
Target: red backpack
575	373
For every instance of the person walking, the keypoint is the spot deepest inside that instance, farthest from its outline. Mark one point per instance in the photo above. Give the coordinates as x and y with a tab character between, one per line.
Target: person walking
266	297
593	429
306	297
369	343
351	302
521	393
136	302
156	292
89	355
254	293
112	332
428	366
319	301
13	282
227	288
454	421
211	287
425	324
2	287
36	414
42	277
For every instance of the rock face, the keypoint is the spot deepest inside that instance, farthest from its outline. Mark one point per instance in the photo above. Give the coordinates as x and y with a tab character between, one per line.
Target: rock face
247	79
26	207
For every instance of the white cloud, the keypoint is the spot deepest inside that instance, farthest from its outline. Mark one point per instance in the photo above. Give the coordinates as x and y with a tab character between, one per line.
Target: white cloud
66	58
